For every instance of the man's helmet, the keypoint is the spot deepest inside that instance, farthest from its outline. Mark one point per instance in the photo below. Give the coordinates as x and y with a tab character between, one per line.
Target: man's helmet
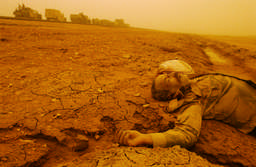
175	66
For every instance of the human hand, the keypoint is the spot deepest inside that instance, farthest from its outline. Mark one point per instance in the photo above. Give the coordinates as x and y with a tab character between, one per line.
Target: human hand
133	138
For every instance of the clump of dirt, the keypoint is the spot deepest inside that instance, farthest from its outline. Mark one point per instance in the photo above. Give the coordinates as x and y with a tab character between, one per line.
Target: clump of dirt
66	88
123	156
233	148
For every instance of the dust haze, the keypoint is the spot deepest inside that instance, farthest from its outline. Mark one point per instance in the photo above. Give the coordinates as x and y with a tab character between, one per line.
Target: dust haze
66	88
227	17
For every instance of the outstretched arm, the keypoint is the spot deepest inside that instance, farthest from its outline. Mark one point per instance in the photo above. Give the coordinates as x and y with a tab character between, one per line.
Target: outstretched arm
185	133
133	138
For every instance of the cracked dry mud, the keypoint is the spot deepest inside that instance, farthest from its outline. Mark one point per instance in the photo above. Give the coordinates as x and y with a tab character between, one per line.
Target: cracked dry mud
66	88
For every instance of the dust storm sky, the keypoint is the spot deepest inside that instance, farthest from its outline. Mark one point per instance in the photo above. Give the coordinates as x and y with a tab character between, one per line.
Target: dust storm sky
221	17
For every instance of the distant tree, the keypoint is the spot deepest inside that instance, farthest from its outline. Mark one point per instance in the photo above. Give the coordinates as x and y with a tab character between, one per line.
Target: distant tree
105	22
24	12
121	23
96	21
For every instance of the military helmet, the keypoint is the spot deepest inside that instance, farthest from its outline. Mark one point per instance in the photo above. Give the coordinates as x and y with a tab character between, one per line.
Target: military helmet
175	66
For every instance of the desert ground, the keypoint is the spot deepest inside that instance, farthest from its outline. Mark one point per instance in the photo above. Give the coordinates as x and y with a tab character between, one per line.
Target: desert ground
66	88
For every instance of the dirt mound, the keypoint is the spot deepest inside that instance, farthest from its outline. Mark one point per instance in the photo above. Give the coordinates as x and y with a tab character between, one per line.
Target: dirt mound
233	148
66	88
123	156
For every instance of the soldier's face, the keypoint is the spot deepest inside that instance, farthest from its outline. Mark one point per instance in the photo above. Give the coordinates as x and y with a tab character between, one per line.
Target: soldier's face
167	82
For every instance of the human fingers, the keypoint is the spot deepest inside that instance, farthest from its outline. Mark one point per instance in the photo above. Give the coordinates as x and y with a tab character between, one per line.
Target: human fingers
133	138
135	142
116	135
123	137
119	134
127	138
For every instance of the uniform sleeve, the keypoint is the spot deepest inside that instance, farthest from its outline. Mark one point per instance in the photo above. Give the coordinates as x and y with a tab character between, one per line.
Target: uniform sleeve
186	131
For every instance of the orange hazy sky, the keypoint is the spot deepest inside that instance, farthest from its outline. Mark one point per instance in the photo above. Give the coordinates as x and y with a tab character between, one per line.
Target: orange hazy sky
221	17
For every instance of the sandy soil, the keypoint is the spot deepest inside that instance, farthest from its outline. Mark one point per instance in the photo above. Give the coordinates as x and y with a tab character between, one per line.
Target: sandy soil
66	88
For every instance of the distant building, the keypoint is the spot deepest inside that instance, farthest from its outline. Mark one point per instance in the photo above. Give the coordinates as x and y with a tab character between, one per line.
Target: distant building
54	15
80	18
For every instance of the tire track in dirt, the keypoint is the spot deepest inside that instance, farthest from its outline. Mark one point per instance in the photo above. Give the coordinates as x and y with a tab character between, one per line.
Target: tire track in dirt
229	63
215	58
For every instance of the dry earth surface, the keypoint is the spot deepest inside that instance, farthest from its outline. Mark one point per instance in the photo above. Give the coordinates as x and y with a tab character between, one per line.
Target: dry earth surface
66	88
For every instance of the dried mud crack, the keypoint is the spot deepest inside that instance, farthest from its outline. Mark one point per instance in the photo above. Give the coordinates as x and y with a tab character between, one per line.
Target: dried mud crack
66	88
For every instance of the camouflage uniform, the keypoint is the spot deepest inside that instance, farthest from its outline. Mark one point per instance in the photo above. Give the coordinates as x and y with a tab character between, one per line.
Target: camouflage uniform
217	97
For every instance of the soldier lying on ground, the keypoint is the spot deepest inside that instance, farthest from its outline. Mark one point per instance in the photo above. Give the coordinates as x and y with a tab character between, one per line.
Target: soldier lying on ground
211	96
